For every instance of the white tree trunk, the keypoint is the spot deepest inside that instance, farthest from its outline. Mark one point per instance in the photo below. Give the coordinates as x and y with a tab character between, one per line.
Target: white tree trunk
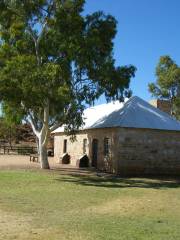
43	155
43	141
42	136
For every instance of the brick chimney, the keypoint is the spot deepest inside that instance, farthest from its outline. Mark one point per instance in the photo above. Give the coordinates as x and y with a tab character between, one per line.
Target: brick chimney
163	105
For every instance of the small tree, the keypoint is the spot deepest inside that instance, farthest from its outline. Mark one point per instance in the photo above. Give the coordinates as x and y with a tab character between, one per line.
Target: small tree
8	131
54	61
167	85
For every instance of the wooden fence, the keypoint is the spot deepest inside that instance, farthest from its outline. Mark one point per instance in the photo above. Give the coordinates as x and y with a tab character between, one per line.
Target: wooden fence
22	150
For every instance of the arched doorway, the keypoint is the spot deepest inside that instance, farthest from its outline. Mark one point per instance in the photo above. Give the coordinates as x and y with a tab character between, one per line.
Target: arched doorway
94	152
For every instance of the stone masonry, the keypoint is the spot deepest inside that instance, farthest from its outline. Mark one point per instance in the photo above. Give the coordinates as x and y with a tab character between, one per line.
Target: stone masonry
132	151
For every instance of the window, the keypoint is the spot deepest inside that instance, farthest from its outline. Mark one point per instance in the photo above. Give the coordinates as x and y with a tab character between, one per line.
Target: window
65	146
106	146
84	146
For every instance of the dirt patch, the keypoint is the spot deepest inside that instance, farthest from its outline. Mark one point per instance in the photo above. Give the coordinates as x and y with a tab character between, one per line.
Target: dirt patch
23	228
15	162
13	226
130	206
23	162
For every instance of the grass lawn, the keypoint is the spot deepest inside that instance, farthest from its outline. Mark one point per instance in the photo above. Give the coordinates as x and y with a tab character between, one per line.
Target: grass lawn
50	206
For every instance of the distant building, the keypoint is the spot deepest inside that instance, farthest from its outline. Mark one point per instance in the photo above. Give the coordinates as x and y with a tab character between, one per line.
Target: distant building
134	138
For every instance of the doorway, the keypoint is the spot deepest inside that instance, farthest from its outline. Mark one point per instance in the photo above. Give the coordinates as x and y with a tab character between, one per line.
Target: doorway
94	152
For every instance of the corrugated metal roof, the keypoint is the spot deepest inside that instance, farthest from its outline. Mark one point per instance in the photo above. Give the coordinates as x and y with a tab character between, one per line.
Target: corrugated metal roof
135	113
93	114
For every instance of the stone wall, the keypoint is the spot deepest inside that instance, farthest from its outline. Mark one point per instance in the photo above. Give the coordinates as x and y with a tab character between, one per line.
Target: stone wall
74	149
107	164
148	152
132	151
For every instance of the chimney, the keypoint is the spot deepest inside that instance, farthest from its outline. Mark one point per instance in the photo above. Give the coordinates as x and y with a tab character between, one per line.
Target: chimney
163	105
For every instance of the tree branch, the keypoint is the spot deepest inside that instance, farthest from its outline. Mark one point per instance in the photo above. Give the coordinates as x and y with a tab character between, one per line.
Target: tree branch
55	126
37	40
33	125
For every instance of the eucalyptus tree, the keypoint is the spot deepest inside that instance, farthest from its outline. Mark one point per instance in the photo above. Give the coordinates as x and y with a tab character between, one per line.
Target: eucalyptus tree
167	84
54	61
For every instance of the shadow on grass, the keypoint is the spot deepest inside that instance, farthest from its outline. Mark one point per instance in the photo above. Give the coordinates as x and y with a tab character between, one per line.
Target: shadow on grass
117	182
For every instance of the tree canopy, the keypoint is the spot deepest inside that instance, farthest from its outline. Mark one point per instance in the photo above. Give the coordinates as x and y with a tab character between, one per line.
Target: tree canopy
167	85
54	61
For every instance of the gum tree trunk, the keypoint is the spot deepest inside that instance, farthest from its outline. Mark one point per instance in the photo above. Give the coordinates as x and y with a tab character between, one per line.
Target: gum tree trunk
44	158
43	153
43	140
42	137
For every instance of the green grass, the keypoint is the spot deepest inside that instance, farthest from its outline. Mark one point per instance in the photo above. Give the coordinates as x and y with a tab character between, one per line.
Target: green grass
50	206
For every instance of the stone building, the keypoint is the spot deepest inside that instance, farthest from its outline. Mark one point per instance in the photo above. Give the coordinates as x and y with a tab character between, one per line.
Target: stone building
131	139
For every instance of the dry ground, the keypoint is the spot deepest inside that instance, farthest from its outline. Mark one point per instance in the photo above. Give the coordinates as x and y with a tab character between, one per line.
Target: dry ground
17	162
20	162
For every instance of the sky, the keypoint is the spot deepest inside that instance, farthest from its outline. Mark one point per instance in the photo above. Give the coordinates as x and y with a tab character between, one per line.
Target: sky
146	30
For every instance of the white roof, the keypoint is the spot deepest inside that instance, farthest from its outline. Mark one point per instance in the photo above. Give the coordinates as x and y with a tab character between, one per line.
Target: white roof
135	113
93	114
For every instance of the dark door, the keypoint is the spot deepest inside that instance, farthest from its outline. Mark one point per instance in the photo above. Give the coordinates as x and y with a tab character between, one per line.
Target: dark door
94	152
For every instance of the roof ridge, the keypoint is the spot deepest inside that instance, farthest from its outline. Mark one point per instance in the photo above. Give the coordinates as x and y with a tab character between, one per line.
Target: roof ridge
124	107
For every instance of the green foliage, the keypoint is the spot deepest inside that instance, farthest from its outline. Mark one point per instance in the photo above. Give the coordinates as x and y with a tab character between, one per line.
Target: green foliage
52	56
167	85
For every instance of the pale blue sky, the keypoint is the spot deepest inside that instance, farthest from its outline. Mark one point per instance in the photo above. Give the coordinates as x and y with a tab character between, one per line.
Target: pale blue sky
147	29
